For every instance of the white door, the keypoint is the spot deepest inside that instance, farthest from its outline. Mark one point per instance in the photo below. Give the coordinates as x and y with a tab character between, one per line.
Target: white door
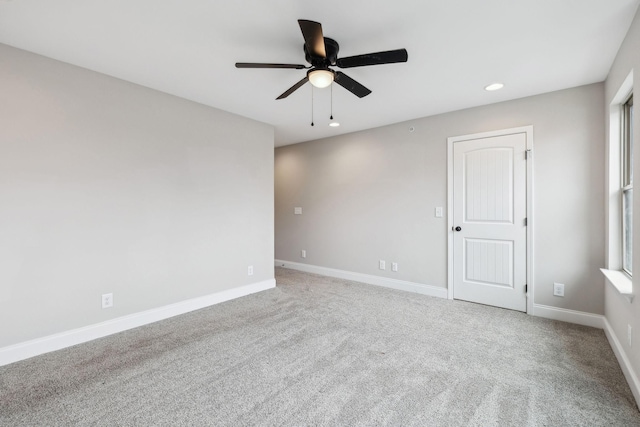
489	220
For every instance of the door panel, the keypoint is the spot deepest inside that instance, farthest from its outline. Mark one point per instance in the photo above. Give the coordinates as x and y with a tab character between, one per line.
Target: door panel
489	185
489	206
489	262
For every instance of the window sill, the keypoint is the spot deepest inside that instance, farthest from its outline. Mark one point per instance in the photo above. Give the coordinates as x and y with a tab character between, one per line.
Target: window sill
620	281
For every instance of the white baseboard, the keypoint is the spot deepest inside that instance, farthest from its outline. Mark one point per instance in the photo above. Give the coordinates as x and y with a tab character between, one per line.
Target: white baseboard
623	361
570	316
386	282
27	349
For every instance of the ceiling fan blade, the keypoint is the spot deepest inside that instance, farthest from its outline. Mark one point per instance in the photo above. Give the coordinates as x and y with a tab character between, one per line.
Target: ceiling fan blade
293	88
386	57
258	65
351	85
313	38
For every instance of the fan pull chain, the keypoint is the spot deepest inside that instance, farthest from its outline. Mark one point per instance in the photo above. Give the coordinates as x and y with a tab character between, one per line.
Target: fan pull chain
331	117
311	105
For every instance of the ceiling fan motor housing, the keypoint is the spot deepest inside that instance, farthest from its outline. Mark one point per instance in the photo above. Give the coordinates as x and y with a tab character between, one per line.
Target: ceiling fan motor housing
331	47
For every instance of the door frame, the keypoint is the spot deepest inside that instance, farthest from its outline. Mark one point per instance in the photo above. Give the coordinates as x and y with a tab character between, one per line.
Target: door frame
528	131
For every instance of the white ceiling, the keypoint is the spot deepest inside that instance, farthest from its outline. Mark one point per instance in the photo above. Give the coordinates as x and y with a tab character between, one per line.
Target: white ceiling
456	47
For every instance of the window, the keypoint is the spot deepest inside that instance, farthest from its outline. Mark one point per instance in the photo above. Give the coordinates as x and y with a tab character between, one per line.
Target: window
619	241
627	185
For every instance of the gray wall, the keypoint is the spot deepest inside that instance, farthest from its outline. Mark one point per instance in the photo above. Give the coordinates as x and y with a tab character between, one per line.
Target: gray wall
371	195
618	311
106	186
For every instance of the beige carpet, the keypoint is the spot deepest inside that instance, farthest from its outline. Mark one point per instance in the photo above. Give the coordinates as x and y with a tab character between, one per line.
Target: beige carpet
323	351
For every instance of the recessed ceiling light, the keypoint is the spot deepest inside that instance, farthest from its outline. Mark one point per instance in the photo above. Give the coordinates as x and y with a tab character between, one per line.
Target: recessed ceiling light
494	86
334	124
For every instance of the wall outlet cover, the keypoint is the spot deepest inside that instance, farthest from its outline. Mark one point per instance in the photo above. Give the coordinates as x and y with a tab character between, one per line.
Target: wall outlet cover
558	289
107	300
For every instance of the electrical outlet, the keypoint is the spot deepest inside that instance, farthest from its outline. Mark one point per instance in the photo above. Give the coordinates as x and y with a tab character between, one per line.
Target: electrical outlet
382	265
439	212
107	300
297	210
558	289
394	266
250	270
629	334
303	253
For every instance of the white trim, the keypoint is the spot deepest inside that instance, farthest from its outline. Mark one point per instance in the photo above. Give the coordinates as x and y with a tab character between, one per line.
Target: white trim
528	130
419	288
627	369
570	316
621	282
449	218
27	349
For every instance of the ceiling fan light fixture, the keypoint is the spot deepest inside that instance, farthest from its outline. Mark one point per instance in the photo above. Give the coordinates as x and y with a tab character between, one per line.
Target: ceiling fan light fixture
320	78
322	52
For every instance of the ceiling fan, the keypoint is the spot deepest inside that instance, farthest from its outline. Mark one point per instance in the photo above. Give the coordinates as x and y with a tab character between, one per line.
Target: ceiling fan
322	52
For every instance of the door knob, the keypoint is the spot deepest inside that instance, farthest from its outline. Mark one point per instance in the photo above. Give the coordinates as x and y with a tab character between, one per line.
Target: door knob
458	228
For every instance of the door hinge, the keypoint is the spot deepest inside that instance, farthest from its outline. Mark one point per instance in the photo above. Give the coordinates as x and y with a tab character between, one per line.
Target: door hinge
526	153
525	222
526	288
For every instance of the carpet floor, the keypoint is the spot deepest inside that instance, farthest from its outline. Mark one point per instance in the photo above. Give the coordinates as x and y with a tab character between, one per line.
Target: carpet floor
324	351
